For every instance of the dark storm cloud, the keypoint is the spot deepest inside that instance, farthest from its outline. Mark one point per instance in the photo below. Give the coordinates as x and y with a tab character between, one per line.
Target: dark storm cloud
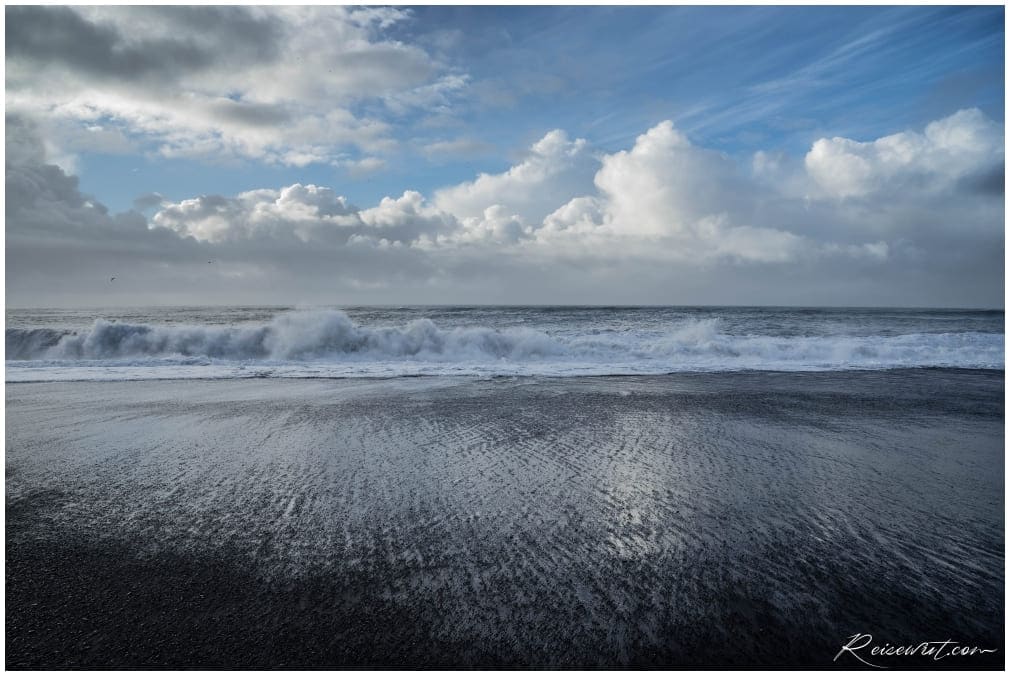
234	28
273	84
23	144
252	114
148	201
990	183
63	37
46	207
59	36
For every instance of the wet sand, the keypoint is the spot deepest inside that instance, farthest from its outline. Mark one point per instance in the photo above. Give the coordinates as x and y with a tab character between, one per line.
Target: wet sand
722	519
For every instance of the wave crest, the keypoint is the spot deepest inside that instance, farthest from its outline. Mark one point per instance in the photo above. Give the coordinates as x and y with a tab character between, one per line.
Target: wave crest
333	345
290	336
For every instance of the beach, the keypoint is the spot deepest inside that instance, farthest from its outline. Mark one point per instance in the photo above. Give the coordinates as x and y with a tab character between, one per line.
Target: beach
719	519
487	337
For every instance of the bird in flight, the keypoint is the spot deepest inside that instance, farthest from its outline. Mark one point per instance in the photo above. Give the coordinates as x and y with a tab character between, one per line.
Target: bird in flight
113	279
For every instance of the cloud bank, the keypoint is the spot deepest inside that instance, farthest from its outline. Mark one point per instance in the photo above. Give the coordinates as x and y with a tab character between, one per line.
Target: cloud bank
912	218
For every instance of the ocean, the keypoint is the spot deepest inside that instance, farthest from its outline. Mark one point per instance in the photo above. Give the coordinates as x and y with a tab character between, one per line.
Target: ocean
238	342
257	487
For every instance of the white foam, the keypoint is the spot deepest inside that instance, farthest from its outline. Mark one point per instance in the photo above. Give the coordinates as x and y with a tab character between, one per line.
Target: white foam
329	344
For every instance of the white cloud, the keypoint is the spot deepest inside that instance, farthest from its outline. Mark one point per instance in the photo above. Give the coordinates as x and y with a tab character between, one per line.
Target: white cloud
667	199
581	214
306	212
664	184
555	170
664	199
407	218
458	147
497	225
277	84
362	167
949	150
662	214
436	97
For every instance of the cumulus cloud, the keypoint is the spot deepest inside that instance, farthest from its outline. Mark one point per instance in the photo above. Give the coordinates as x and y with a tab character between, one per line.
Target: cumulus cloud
278	84
664	199
310	214
668	199
664	185
967	144
63	246
555	169
665	220
303	212
406	219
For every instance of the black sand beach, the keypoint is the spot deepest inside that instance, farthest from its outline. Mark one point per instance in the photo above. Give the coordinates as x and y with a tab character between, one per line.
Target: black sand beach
730	519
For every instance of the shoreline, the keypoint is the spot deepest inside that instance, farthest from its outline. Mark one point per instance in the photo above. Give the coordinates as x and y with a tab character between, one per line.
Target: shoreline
704	519
537	377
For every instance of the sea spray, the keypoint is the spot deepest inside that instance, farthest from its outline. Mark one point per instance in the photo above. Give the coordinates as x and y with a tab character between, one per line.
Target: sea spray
290	336
490	342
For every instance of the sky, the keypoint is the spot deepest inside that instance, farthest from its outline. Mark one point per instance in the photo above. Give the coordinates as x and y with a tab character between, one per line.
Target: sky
520	155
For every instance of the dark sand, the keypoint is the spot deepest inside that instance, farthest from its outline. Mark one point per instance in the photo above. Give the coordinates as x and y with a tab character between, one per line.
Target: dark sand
724	519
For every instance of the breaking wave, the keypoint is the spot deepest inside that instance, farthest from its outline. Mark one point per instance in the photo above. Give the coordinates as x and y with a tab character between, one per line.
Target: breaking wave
333	345
291	336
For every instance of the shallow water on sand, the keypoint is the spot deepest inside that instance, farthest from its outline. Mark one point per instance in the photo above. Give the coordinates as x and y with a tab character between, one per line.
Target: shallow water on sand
712	519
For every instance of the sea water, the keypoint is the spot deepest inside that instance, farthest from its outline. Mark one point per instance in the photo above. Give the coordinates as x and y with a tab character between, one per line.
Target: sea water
333	342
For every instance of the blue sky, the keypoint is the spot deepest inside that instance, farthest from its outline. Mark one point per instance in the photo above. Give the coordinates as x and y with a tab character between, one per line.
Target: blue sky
623	155
735	79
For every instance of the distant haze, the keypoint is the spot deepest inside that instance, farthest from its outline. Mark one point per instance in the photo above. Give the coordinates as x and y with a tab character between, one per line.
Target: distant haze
739	156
